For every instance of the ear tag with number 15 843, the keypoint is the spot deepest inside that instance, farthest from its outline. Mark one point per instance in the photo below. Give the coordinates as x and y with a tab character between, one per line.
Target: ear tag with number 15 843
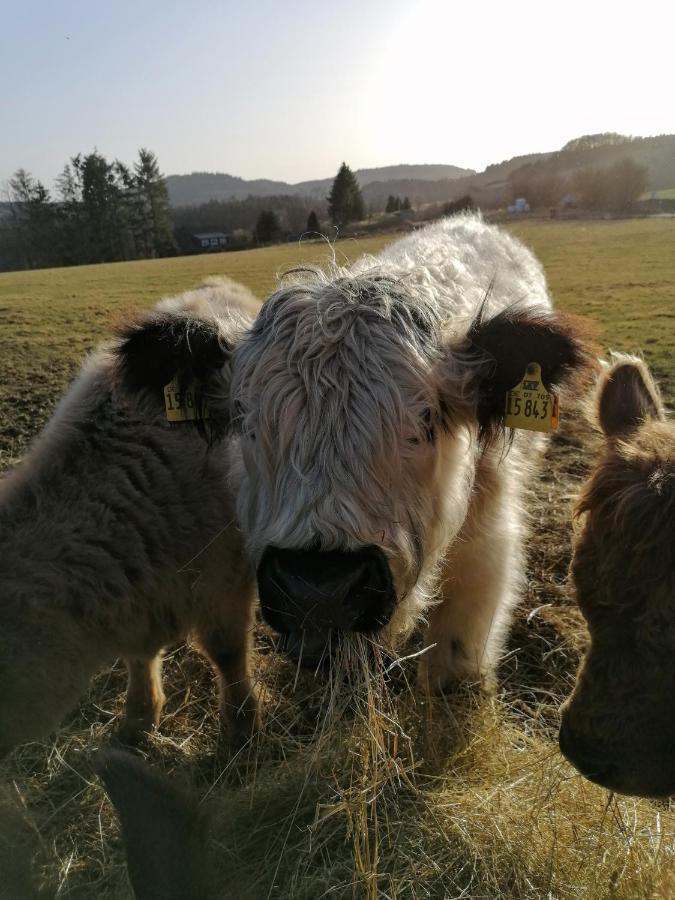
530	406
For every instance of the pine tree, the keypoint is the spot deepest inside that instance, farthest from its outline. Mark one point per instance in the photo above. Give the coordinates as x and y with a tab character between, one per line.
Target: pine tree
71	220
34	220
345	202
267	227
313	223
132	215
102	215
391	204
152	204
406	203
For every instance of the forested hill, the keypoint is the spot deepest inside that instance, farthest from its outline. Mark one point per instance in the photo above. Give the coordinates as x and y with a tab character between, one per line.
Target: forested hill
500	182
200	187
439	183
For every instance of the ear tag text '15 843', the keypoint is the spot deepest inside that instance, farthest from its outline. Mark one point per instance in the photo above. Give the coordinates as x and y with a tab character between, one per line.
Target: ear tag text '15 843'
180	404
530	406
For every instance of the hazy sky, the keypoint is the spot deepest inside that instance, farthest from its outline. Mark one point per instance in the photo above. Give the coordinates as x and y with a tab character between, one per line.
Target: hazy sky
288	90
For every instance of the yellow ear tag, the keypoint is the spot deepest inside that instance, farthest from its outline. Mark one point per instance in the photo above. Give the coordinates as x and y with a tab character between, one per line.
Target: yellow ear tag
180	405
530	406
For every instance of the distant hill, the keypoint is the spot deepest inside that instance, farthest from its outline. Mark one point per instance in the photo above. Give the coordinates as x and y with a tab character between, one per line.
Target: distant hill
440	183
387	175
201	187
493	187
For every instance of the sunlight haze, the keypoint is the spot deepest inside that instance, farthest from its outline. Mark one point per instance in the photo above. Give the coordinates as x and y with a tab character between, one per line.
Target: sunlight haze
287	91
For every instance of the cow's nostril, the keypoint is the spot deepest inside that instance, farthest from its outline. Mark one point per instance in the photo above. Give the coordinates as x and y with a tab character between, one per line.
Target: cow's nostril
312	590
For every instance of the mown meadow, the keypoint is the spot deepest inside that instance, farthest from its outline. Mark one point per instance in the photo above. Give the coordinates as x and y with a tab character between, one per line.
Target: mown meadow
369	789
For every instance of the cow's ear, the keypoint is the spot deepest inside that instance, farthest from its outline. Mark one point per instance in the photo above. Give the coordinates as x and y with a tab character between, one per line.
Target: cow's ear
165	346
161	346
497	351
627	397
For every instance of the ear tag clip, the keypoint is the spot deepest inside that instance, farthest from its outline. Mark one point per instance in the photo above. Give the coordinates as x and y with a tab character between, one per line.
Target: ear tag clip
180	404
530	406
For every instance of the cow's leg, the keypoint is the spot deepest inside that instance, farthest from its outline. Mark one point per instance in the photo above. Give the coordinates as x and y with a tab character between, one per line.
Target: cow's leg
228	649
224	630
480	587
145	698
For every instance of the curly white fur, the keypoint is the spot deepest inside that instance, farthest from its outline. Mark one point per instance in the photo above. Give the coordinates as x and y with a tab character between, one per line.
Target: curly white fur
358	426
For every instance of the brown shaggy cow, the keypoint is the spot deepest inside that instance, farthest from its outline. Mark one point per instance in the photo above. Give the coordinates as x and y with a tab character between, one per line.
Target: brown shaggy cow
618	727
117	532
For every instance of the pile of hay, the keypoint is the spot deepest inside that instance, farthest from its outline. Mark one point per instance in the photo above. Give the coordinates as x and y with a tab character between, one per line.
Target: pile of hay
359	786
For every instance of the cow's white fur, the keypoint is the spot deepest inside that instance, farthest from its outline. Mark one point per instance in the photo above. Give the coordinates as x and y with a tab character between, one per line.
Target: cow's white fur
332	384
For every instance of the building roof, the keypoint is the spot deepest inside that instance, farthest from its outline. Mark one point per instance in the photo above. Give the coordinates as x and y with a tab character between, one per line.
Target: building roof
204	235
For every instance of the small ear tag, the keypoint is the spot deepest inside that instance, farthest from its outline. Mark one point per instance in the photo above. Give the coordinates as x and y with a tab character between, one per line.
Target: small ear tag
530	406
180	404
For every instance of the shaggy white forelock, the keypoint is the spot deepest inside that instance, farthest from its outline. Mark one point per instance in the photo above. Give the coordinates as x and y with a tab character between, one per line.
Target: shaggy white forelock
336	387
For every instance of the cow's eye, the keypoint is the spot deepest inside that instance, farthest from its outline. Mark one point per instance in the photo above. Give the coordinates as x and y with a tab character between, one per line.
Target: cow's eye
427	430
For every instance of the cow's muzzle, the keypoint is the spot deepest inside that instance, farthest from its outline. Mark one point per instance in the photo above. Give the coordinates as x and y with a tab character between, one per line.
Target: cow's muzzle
323	592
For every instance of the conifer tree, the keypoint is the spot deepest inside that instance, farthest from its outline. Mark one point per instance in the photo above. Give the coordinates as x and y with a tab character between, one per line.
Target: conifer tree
267	227
152	199
313	223
102	214
345	201
33	214
70	216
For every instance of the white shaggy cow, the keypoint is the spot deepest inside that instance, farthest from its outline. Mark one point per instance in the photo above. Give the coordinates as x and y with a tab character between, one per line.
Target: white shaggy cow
376	484
117	532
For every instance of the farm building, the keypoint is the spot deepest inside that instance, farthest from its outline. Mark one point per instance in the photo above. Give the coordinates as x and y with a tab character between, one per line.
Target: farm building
520	206
210	240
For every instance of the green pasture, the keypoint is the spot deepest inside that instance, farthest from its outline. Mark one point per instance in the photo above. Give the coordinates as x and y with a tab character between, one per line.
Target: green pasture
619	274
380	793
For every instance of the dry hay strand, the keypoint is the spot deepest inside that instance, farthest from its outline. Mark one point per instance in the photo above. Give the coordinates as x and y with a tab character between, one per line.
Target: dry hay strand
406	796
358	785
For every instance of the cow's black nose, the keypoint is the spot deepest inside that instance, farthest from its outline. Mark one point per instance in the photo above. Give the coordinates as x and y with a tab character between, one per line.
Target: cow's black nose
322	591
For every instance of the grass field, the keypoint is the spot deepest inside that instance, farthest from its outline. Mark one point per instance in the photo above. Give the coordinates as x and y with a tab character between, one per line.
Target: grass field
399	797
621	274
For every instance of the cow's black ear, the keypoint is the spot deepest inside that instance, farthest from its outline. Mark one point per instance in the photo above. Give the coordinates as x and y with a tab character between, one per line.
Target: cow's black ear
501	347
161	346
627	397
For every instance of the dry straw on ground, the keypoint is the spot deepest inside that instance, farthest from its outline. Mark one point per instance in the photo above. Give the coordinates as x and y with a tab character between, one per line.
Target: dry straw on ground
385	794
358	786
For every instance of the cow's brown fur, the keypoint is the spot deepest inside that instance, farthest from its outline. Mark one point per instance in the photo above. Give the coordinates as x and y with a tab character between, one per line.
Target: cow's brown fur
117	537
618	727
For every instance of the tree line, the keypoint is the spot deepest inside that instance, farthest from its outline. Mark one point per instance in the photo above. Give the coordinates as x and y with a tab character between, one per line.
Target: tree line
100	211
256	221
394	203
247	222
615	187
